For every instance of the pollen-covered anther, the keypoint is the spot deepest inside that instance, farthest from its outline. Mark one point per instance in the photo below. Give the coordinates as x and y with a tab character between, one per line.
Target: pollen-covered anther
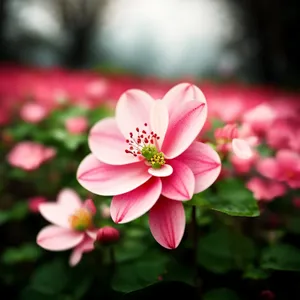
141	139
81	220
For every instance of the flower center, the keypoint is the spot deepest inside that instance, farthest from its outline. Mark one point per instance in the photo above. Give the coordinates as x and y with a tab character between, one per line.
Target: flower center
81	220
144	144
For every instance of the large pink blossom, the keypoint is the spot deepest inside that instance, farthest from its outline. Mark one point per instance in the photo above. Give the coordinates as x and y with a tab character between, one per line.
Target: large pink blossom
285	167
148	159
72	225
29	155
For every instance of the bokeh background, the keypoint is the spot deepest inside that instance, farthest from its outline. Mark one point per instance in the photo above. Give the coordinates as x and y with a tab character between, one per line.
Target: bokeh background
249	40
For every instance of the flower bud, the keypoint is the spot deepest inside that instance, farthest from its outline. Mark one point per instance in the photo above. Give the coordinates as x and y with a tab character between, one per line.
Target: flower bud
76	125
108	235
267	295
35	202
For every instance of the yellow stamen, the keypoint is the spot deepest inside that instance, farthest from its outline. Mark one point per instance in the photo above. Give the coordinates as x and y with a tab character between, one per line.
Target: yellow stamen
157	160
81	220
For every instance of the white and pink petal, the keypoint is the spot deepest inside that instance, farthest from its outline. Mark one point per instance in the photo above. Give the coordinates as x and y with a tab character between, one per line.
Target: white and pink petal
180	185
108	180
56	238
129	206
108	144
167	222
133	110
184	126
205	164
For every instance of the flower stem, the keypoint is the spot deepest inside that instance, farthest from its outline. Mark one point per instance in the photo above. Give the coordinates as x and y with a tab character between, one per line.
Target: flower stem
194	231
112	259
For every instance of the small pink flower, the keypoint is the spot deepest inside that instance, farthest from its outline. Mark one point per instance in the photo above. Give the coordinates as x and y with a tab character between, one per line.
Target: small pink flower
228	138
264	189
260	118
29	155
33	112
76	125
279	136
72	225
284	167
35	202
149	150
108	235
243	166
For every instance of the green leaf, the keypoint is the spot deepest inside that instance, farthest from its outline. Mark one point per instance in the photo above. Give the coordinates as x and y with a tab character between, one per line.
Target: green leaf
18	212
129	249
173	289
221	294
176	271
231	197
31	294
256	273
293	224
281	257
4	216
224	250
265	151
139	274
99	113
25	253
50	278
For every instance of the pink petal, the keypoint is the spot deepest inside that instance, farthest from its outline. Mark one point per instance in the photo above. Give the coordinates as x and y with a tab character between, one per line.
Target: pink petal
287	159
69	199
167	222
182	93
92	233
269	168
55	238
181	184
165	171
127	207
107	180
133	110
184	127
56	214
241	148
108	144
86	245
159	119
204	162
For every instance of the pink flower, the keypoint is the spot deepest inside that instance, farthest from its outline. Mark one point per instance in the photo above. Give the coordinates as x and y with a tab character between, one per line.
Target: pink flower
29	155
72	225
108	235
264	189
33	112
227	138
294	139
260	118
243	166
279	136
76	125
284	167
35	202
149	150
